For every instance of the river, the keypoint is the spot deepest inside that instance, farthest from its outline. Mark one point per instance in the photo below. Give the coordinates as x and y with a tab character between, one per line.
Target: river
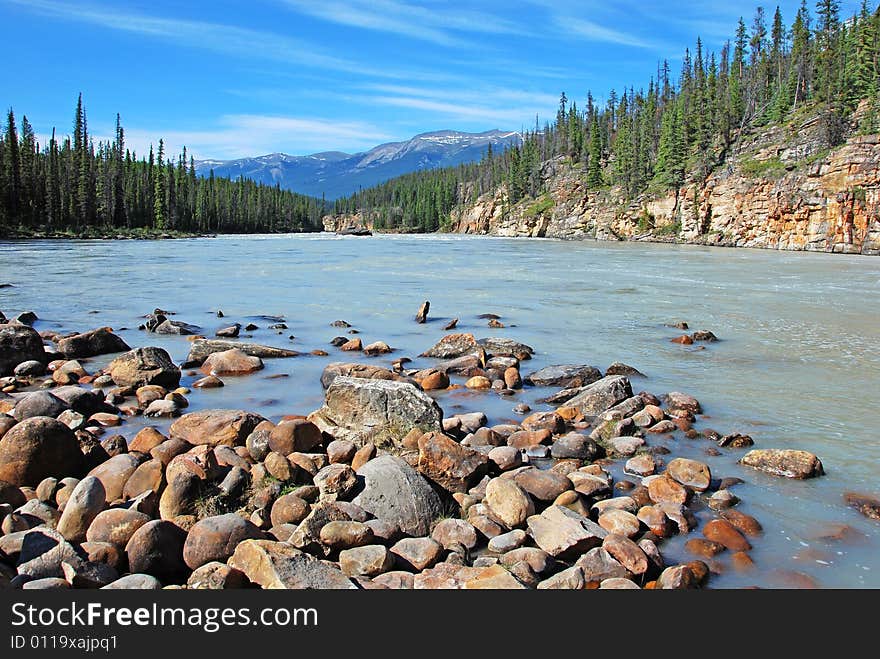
797	366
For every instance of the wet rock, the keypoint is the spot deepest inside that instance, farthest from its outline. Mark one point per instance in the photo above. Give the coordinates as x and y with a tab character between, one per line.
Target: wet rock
784	462
143	366
704	548
690	473
627	553
87	500
743	522
563	533
722	499
593	486
417	554
619	368
641	465
353	345
704	335
677	577
500	347
376	411
37	448
677	401
397	493
215	427
202	348
724	533
156	549
30	369
656	520
601	395
231	362
736	440
367	561
230	332
422	315
215	539
452	466
101	341
565	375
19	343
277	565
451	346
362	371
864	504
574	445
684	340
663	489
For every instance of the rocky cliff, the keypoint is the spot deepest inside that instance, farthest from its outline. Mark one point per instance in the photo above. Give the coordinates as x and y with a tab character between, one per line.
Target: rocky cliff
778	189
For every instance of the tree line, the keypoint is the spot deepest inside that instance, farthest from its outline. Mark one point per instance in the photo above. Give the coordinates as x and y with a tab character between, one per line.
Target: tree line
74	185
656	139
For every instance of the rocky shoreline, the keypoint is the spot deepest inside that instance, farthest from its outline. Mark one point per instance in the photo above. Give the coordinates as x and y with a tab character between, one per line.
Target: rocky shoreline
378	488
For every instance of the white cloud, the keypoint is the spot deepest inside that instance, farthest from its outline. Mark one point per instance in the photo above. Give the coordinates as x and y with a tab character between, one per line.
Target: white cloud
246	135
217	37
595	32
435	25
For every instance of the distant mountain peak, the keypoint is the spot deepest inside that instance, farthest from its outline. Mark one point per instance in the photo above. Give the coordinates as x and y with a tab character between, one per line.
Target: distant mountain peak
337	174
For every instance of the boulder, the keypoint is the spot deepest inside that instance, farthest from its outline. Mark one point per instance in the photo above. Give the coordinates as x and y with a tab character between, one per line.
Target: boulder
215	539
787	463
231	362
202	348
417	554
368	561
294	436
564	375
176	328
499	347
397	493
39	403
101	341
601	395
43	553
38	448
376	411
115	472
86	501
542	485
116	526
508	502
494	577
352	370
143	366
307	536
289	509
677	401
453	467
277	565
215	427
690	473
19	343
451	346
451	532
156	549
563	533
336	480
216	576
135	582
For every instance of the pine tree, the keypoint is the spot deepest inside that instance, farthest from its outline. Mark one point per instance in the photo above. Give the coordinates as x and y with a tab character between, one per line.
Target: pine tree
594	158
160	210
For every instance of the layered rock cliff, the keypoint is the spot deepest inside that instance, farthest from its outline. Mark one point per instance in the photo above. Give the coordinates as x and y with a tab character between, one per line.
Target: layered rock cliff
779	189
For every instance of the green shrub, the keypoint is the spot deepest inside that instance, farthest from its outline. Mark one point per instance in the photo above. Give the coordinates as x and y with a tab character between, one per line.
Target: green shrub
540	206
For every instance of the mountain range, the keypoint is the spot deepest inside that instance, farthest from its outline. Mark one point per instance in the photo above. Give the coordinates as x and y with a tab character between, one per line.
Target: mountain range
335	174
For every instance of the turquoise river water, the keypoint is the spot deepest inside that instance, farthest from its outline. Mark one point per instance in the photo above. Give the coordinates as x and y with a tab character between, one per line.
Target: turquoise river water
798	364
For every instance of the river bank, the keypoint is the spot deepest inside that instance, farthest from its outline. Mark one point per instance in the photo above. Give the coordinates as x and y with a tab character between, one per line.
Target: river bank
376	489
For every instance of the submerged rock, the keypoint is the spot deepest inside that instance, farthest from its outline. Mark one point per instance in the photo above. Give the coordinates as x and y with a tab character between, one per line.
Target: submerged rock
201	348
787	463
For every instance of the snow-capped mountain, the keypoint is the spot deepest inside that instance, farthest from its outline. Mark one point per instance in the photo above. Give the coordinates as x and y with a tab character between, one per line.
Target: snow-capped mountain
335	174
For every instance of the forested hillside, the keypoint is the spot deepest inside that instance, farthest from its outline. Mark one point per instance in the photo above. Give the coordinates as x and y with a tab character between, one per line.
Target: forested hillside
678	128
74	186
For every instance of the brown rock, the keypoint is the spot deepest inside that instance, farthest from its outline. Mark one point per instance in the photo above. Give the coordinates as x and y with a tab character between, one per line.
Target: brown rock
784	462
620	522
743	522
37	448
215	539
542	485
156	548
690	473
215	427
562	532
297	435
146	440
665	490
417	554
115	526
454	467
508	502
724	533
277	565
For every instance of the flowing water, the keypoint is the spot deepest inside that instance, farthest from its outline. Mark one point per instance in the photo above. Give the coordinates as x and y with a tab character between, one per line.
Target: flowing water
798	364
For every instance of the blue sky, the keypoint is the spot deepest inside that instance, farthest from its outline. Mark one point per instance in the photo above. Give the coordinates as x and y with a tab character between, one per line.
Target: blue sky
232	78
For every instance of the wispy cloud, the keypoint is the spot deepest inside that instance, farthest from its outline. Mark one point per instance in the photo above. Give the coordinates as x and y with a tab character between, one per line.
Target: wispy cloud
595	32
246	135
439	24
242	42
